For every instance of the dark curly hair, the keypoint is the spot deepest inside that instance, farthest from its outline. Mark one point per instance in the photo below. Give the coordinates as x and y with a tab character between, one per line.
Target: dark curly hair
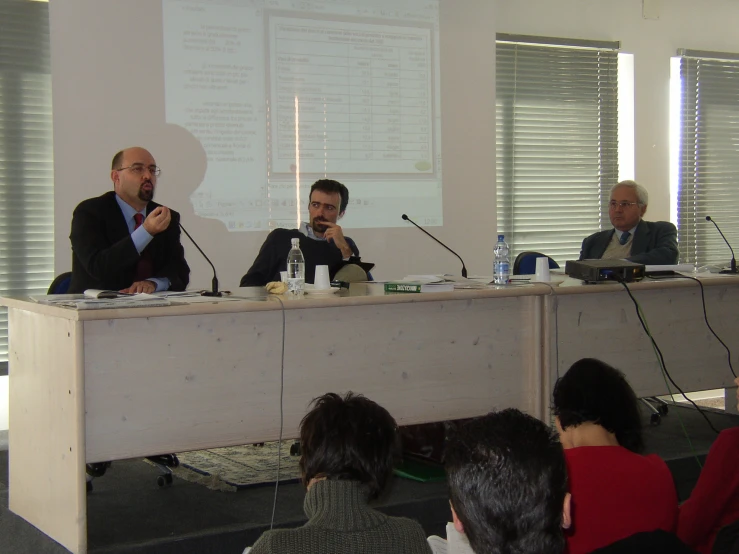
350	438
507	483
329	186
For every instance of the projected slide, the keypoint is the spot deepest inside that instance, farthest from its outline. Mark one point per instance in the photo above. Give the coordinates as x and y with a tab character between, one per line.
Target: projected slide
281	93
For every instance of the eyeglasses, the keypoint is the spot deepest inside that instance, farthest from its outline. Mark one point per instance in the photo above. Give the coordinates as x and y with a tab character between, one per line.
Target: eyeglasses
138	169
623	205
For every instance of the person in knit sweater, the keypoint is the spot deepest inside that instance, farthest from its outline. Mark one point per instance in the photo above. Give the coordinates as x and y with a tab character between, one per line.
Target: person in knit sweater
349	446
616	492
507	485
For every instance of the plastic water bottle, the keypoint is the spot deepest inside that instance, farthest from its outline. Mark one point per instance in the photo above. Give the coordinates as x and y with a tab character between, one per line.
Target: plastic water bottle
295	270
502	265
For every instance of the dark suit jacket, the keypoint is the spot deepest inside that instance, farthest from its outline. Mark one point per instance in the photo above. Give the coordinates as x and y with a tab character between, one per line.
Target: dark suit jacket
654	243
103	253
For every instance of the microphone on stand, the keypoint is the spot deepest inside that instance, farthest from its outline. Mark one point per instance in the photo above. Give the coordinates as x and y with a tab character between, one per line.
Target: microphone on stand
732	269
214	283
464	269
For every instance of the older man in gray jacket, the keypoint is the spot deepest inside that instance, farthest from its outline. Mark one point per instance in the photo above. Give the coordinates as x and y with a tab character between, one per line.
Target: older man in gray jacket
632	238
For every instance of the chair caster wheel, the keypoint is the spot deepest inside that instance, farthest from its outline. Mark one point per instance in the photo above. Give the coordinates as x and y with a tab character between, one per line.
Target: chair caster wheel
295	449
663	409
655	419
163	480
88	487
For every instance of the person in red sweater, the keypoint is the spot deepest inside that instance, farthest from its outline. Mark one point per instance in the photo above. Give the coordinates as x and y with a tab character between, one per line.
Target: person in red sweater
616	492
714	501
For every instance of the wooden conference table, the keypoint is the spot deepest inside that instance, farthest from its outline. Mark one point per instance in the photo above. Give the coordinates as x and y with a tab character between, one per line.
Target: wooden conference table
96	385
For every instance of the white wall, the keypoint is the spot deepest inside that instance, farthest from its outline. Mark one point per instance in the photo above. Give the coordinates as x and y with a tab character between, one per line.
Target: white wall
108	93
110	97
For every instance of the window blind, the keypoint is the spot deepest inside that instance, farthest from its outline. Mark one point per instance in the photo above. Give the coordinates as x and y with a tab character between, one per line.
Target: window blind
708	174
557	141
26	172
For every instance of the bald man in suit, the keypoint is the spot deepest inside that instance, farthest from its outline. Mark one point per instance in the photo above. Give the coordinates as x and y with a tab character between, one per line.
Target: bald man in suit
125	241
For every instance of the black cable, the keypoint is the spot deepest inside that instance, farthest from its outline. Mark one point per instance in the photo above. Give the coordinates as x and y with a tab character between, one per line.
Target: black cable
556	325
661	358
705	316
282	393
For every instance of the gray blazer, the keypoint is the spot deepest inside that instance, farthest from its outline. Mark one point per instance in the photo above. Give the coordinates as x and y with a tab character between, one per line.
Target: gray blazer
654	243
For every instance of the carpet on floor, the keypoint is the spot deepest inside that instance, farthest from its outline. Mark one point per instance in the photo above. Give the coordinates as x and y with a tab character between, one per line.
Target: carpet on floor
236	468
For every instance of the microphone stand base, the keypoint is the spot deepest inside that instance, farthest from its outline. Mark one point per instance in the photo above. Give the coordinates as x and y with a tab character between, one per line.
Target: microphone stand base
209	293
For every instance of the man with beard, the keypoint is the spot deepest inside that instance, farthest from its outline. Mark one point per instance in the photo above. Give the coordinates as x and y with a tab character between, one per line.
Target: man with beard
123	240
322	240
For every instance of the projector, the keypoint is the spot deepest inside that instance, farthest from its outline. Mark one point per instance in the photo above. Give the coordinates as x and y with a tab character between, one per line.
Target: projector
597	271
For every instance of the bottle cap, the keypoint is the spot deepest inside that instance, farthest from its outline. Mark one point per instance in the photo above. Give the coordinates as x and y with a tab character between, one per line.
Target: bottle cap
295	242
501	238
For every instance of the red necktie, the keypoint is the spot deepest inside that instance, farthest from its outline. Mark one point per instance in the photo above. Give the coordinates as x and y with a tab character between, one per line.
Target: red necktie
144	267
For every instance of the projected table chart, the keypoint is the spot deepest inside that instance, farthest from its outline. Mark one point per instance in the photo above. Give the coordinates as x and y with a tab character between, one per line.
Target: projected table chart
352	94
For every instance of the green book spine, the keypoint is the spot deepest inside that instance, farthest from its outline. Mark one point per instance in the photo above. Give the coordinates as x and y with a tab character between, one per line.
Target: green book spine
403	287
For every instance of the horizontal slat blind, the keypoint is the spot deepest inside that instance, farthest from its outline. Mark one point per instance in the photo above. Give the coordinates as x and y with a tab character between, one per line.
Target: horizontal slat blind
26	172
709	158
557	144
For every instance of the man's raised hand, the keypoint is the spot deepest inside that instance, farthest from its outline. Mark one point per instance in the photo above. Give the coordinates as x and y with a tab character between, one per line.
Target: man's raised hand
158	220
334	233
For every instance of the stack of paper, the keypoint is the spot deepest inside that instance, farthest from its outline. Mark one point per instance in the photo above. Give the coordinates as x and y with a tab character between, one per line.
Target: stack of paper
79	302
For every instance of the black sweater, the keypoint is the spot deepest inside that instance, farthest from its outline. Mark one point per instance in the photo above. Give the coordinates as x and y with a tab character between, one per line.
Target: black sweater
272	257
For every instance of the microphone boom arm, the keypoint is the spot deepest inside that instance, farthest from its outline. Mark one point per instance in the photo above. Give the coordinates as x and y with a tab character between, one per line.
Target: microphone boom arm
464	269
214	283
733	258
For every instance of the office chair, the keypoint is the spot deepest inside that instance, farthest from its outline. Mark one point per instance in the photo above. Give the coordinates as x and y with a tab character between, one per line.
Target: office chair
163	462
657	408
60	285
525	263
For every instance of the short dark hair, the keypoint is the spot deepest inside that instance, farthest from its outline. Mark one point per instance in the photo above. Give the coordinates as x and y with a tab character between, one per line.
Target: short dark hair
508	481
594	392
329	186
117	160
350	438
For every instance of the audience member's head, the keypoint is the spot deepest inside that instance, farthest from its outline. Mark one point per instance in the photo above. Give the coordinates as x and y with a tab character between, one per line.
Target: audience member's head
508	484
592	392
351	438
